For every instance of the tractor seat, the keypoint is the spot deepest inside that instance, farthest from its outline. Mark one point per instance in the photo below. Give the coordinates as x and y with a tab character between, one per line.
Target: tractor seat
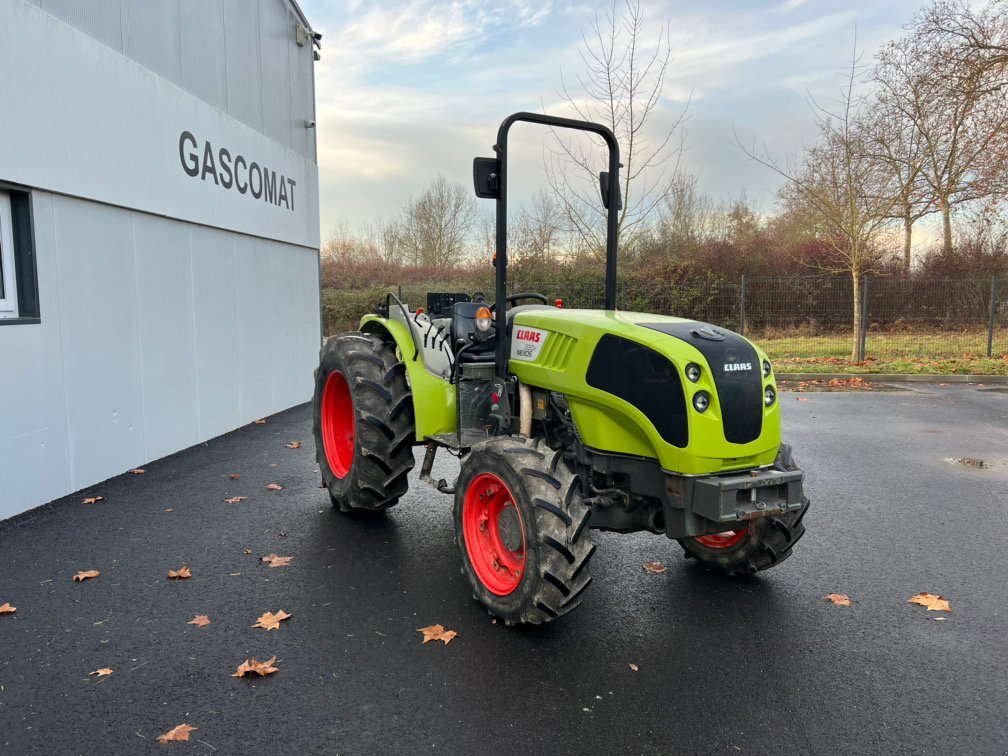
463	326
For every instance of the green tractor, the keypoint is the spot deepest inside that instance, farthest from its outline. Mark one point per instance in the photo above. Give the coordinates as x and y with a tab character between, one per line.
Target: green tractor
565	421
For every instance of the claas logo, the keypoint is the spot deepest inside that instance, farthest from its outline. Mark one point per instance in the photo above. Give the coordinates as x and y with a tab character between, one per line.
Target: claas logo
527	335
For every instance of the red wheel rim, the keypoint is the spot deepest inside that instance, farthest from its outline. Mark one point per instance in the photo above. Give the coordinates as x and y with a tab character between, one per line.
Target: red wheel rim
338	424
494	534
722	540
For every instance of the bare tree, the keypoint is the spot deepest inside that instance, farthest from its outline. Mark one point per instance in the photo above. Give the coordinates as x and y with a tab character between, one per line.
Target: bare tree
537	234
432	229
621	86
955	101
687	218
974	38
897	144
840	185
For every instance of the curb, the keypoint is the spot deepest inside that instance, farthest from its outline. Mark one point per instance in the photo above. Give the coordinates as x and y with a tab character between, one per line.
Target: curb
894	377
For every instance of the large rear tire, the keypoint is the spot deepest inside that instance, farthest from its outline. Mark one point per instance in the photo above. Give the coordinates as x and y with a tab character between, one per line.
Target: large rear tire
363	423
522	528
762	544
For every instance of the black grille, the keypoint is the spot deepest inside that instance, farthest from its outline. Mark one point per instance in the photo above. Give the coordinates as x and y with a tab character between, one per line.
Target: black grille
646	379
740	391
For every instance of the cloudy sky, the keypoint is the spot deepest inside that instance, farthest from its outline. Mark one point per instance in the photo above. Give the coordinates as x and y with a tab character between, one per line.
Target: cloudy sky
410	88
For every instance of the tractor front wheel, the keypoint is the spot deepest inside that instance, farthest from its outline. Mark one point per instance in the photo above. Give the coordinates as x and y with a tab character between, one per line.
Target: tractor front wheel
522	528
363	422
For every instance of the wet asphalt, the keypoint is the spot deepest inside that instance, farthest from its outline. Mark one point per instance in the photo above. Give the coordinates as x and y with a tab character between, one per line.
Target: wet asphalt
760	665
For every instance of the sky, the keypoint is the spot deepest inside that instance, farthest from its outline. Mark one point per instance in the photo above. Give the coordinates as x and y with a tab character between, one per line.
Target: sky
406	90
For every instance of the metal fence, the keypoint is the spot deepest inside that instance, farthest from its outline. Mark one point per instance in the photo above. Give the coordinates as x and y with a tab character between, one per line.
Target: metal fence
812	318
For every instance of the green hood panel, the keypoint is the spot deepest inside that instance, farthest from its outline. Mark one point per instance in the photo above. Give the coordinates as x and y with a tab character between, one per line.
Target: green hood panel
559	361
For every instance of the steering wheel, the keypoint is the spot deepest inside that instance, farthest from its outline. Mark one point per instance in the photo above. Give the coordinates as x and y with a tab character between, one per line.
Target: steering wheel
515	297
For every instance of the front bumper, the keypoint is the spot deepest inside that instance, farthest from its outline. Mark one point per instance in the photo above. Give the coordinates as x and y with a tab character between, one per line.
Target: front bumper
715	503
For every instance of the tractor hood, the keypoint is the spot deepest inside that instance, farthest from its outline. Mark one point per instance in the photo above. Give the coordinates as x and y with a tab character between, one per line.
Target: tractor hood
625	378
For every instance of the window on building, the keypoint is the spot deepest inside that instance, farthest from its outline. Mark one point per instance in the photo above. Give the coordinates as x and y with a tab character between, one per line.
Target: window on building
8	281
18	280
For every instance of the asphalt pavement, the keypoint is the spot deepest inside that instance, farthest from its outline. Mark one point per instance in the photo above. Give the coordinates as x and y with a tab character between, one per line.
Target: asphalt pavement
761	665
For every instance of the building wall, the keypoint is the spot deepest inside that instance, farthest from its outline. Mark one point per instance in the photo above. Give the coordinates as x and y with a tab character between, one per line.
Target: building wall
238	55
172	310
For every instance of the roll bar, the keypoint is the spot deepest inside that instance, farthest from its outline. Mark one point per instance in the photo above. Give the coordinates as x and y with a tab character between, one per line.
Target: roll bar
490	179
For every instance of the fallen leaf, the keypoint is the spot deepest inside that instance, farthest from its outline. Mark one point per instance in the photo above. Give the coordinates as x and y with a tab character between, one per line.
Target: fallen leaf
200	620
103	672
283	533
294	445
184	574
634	667
250	667
839	599
80	577
274	487
801	398
234	476
247	551
138	471
6	608
270	621
177	734
94	499
437	633
275	560
169	510
655	567
235	499
261	421
932	602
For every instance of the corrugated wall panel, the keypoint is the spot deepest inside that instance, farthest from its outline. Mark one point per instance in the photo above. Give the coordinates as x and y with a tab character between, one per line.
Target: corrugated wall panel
34	464
302	91
201	41
165	324
276	35
244	62
100	341
216	326
99	19
255	353
150	30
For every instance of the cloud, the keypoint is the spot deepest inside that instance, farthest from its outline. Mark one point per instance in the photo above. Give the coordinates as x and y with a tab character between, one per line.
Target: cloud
409	88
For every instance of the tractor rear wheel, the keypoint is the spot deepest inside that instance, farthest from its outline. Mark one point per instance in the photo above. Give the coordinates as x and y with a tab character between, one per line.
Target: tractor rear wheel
761	544
363	422
522	528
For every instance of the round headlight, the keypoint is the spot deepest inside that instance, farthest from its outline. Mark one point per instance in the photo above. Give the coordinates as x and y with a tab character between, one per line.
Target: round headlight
693	372
701	401
769	396
766	369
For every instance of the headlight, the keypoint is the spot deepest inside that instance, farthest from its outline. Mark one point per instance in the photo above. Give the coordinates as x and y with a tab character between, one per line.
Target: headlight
701	401
483	319
693	372
769	396
766	369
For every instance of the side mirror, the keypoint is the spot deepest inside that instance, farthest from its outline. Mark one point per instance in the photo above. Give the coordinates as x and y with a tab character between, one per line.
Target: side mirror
485	172
603	179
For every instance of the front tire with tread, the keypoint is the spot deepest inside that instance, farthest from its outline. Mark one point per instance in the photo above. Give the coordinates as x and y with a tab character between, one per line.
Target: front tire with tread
557	542
384	425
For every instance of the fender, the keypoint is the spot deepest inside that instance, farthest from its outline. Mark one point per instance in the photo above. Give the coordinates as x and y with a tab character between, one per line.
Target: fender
434	394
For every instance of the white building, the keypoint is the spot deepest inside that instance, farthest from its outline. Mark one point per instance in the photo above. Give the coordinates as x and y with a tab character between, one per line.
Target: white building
159	231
